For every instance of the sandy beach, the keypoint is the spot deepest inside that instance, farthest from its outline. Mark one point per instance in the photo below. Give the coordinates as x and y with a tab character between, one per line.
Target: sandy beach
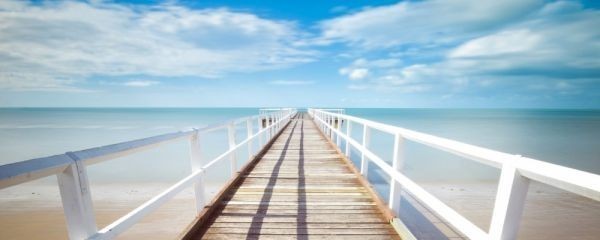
550	213
34	211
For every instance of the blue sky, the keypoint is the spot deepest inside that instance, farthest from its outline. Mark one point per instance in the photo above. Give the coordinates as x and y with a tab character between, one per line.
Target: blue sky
441	54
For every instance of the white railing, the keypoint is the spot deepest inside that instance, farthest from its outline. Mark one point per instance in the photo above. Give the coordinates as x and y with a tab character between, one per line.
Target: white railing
334	110
516	173
70	169
264	111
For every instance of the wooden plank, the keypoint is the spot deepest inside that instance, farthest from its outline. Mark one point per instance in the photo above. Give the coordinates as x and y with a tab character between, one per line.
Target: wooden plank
301	186
308	207
387	213
306	156
328	218
314	175
305	225
305	231
295	211
303	151
200	223
296	193
294	237
307	181
305	189
290	203
306	199
295	171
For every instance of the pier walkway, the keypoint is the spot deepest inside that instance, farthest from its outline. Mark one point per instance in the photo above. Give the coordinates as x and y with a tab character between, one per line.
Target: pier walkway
300	188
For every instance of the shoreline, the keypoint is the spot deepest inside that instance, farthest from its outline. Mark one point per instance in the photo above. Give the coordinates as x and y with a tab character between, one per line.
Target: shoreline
549	213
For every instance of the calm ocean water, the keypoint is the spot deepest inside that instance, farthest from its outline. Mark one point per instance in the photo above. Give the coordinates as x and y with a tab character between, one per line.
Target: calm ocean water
565	137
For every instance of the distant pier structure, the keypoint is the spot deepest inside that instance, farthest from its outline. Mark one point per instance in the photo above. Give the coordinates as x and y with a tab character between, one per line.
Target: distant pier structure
300	182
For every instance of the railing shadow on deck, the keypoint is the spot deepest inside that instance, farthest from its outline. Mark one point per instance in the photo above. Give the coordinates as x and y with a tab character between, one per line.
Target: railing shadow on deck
301	226
263	206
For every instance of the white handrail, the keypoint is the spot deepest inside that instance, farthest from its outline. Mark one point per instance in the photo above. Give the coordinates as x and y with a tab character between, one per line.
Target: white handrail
70	169
28	170
513	184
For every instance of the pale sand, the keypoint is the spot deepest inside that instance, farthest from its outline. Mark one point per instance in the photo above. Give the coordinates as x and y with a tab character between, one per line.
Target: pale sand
550	213
34	212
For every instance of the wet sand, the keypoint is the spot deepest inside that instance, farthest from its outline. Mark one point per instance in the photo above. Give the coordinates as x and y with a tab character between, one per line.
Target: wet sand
34	211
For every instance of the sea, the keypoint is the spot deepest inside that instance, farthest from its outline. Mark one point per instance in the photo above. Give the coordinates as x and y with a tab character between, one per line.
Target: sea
566	137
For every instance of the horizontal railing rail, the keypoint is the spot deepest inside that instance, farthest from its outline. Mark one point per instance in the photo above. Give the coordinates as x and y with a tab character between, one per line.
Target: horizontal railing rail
70	169
270	110
334	110
516	173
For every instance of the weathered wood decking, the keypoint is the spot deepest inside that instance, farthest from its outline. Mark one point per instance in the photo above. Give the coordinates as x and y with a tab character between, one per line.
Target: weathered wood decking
298	188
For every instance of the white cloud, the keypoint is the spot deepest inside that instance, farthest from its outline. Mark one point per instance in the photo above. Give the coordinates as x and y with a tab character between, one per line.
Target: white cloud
16	81
425	22
355	73
76	40
507	42
361	68
291	82
377	63
141	83
556	44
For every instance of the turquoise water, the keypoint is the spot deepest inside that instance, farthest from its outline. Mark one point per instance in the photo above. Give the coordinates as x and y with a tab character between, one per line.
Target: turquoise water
565	137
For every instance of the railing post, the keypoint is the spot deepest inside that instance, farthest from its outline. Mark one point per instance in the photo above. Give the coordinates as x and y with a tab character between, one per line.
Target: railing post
323	123
278	125
260	136
77	200
337	136
349	134
326	124
249	131
270	126
231	137
275	123
325	129
364	162
510	201
196	162
330	127
397	163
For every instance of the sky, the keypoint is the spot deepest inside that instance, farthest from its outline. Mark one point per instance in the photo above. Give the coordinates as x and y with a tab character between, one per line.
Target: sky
407	54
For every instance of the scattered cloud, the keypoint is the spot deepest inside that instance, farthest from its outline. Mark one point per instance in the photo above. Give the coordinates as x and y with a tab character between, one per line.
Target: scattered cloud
140	83
354	73
377	63
16	81
497	46
446	48
358	73
291	82
76	40
425	22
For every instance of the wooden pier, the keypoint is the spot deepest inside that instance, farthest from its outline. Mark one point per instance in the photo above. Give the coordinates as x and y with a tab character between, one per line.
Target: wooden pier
298	187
